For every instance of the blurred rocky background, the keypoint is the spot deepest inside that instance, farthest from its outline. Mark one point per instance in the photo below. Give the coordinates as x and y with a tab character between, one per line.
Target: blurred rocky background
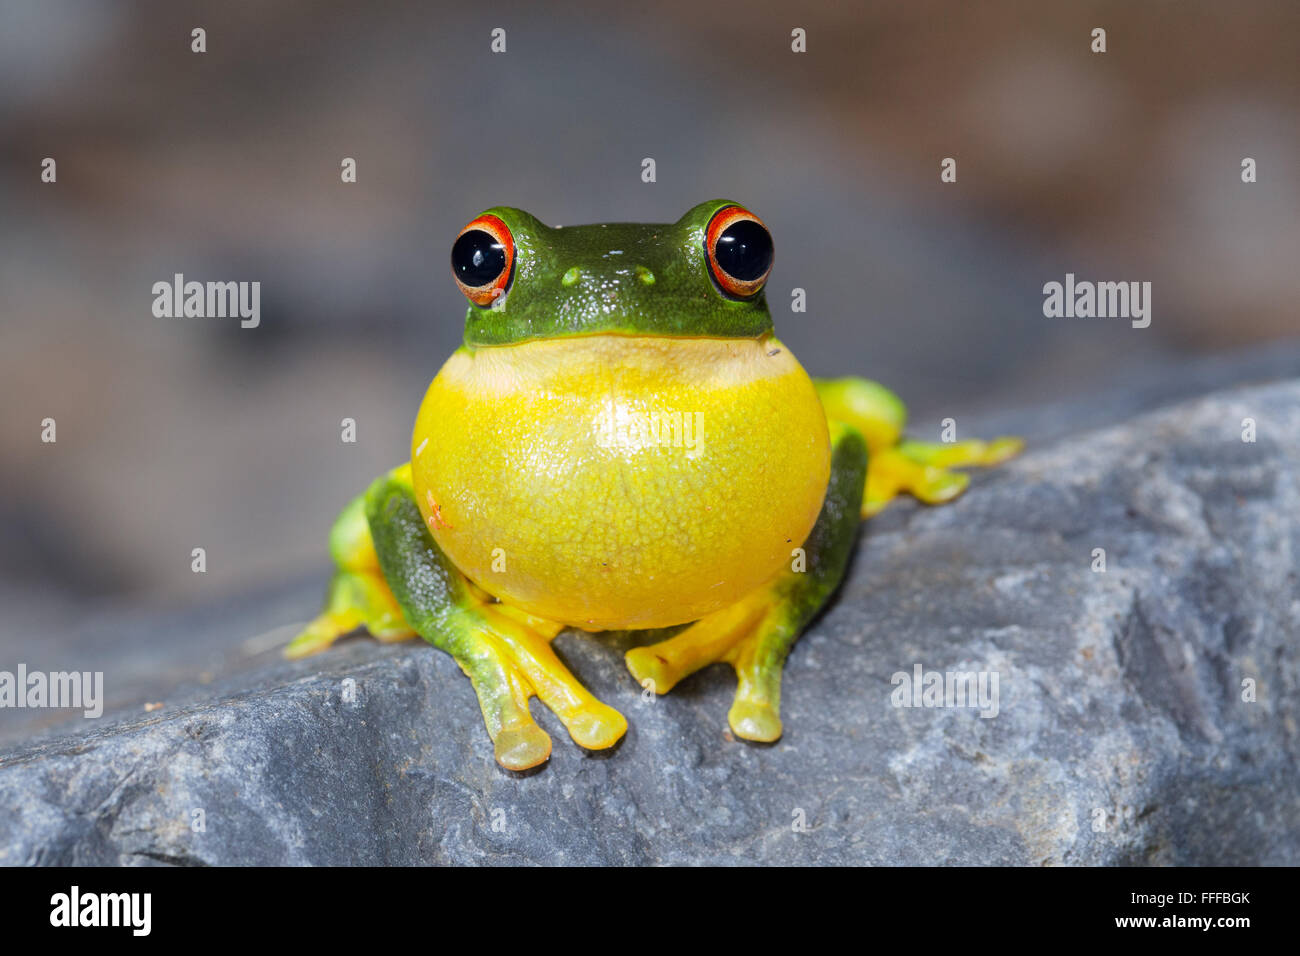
183	433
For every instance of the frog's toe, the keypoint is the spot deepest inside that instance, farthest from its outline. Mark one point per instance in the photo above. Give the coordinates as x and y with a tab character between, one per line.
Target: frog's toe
522	748
354	599
660	666
974	453
597	728
759	660
527	641
503	692
753	636
651	669
890	473
921	469
320	634
1001	449
934	486
754	720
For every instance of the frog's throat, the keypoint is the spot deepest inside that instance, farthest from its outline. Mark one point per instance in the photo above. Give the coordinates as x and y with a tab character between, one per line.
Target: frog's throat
626	481
708	362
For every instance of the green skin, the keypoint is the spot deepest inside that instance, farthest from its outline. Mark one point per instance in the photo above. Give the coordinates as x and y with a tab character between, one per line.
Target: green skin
650	280
613	262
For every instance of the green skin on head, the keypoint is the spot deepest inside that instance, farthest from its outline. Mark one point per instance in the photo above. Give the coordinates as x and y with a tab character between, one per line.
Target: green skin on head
634	278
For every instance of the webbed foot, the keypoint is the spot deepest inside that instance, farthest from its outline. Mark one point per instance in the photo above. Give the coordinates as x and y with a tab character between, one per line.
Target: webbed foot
355	599
898	464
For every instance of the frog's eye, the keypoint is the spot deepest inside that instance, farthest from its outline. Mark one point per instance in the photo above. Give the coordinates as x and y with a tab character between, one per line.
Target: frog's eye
739	251
483	259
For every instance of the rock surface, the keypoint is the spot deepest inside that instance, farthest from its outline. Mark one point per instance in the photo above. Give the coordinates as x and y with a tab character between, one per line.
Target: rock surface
1122	735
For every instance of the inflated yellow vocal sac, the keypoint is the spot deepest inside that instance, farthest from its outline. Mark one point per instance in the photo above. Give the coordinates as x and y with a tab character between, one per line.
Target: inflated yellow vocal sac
621	481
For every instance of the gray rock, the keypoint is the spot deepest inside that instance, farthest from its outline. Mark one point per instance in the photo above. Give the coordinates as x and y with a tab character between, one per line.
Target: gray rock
1121	734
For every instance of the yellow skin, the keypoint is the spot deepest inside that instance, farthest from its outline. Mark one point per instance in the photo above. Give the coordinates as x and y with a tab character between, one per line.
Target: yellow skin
623	478
530	492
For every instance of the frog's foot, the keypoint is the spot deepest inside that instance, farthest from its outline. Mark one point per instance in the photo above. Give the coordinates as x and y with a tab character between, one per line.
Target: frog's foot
755	635
355	599
358	596
522	663
506	653
902	465
752	636
974	453
922	469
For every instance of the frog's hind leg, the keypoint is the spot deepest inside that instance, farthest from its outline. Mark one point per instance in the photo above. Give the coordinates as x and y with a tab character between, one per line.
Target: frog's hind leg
899	464
505	652
355	599
358	596
755	635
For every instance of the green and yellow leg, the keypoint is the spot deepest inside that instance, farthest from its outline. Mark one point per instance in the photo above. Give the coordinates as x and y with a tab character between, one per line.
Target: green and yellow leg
899	464
506	653
358	596
755	635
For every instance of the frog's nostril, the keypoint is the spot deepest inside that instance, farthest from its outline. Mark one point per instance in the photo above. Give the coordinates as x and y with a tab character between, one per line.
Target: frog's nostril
576	274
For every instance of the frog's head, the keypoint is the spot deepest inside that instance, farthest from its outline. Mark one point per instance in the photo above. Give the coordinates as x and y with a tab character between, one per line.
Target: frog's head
702	275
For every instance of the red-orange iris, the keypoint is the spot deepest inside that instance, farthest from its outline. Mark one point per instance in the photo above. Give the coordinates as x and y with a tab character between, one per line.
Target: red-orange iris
730	225
483	259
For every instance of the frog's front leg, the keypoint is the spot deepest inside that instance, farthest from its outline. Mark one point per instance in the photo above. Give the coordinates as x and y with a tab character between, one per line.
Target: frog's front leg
755	635
899	464
505	652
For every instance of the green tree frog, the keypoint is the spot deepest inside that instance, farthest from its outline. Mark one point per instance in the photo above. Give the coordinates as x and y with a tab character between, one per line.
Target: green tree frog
622	443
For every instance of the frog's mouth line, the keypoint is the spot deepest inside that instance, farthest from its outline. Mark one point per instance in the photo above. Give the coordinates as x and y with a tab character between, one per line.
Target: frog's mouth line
621	334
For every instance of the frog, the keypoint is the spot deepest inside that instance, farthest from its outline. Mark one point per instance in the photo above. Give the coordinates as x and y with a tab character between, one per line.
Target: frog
622	444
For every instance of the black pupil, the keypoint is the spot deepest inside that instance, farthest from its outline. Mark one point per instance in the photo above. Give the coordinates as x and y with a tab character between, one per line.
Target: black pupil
477	258
744	250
